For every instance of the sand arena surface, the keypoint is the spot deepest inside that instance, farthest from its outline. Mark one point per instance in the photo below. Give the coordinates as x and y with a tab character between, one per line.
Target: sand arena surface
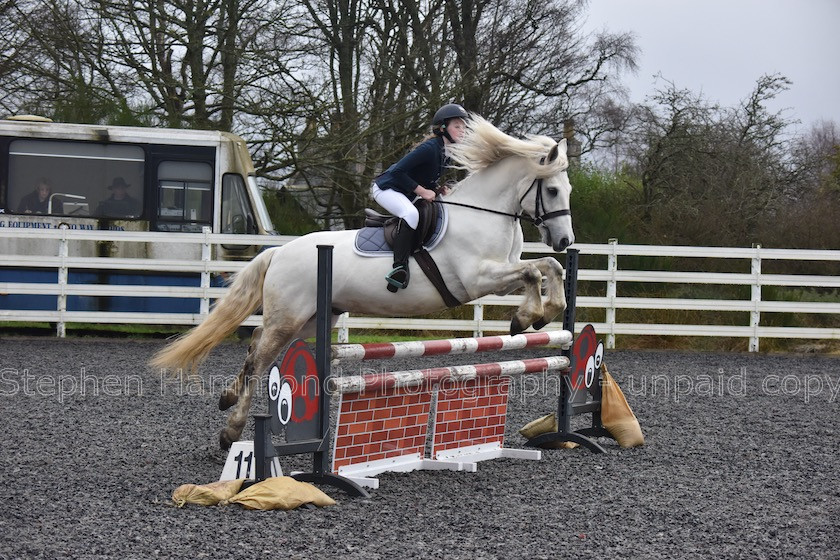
740	462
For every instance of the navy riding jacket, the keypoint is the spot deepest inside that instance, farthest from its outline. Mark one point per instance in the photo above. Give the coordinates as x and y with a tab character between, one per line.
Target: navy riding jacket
421	166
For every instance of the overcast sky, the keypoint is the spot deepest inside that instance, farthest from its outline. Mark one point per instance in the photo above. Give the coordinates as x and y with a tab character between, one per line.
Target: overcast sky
721	47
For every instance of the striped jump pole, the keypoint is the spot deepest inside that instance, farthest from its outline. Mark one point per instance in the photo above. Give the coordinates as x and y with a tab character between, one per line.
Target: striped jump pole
385	350
412	378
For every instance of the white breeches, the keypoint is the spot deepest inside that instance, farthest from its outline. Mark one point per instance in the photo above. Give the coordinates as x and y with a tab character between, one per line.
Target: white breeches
396	203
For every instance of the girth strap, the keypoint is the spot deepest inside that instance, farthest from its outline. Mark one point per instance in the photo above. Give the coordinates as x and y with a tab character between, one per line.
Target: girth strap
432	272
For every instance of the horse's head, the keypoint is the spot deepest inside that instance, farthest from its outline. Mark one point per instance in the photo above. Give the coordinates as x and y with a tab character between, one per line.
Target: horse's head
546	198
537	165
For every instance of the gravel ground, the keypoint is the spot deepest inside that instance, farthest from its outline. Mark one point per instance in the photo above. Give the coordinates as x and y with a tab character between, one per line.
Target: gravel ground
740	462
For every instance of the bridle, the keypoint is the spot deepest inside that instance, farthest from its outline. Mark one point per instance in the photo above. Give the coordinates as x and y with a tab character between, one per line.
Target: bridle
538	203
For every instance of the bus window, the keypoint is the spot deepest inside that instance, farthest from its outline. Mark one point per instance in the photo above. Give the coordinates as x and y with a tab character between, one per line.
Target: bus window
185	196
237	216
81	178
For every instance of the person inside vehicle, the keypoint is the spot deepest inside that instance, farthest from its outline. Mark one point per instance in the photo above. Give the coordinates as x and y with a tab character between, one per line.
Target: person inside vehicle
38	201
120	204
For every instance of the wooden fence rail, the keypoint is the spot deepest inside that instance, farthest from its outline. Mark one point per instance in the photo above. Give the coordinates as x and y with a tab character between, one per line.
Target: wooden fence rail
606	281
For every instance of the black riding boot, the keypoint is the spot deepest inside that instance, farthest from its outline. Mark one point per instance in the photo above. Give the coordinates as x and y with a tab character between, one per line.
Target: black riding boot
403	243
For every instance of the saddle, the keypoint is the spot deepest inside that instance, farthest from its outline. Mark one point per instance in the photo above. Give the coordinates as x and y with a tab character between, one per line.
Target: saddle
426	226
429	231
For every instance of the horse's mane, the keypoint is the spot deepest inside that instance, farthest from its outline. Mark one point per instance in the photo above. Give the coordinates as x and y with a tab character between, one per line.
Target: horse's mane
483	145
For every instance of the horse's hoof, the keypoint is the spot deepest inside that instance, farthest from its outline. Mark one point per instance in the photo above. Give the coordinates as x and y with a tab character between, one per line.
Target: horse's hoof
225	440
227	400
540	324
516	327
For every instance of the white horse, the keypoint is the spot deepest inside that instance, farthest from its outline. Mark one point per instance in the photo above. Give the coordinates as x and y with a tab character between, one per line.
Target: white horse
479	255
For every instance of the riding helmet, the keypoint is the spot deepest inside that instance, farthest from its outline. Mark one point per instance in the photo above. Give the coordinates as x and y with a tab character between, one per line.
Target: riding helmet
448	111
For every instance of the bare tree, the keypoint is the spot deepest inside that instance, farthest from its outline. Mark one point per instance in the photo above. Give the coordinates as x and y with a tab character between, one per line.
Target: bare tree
521	63
12	53
184	54
51	73
327	92
817	158
710	175
381	72
527	65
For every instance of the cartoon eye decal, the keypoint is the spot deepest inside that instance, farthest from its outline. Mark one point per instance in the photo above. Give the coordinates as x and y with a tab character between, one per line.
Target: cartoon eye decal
590	371
599	355
274	383
284	403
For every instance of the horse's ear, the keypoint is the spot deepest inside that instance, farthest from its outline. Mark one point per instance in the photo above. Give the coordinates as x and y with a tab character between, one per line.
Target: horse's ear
552	155
559	147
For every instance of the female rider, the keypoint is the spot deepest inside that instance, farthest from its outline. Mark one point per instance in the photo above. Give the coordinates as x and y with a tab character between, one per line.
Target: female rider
416	174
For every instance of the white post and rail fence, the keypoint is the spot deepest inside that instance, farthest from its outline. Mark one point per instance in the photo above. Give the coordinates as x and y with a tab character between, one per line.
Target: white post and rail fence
808	294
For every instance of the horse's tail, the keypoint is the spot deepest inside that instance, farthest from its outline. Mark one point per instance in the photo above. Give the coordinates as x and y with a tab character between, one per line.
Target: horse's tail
242	300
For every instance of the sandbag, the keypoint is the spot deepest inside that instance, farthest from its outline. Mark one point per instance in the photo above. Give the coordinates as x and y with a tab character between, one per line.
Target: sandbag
544	425
206	494
280	492
616	415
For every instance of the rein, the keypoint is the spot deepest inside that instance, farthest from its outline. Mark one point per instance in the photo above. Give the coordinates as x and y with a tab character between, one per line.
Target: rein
538	203
490	210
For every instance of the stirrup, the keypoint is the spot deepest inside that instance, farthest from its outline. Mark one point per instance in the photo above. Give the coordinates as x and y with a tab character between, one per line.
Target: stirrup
397	279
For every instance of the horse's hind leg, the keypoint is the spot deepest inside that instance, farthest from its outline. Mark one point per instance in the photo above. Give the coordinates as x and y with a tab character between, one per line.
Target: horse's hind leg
239	416
230	395
266	349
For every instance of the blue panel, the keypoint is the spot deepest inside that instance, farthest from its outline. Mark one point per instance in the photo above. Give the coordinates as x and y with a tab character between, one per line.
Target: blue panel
93	303
26	302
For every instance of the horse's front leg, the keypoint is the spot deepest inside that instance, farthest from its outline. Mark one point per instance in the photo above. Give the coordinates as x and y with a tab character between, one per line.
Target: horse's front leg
503	278
555	295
